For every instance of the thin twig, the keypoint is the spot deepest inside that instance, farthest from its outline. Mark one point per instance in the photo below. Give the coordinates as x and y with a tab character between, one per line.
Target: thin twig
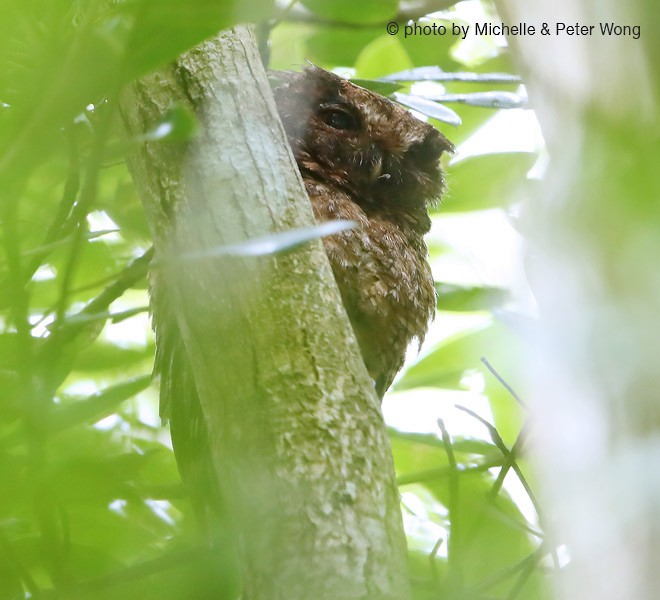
441	472
503	382
110	279
511	456
497	440
132	273
56	230
509	572
160	564
454	541
524	576
432	555
76	222
509	460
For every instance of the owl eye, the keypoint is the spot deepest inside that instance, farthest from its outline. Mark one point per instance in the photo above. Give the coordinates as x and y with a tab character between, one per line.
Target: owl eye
338	118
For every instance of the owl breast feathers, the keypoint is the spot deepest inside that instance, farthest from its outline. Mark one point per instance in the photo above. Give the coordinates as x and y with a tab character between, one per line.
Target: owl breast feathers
365	159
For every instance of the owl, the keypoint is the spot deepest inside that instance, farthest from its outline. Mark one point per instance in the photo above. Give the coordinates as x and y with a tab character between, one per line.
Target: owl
364	159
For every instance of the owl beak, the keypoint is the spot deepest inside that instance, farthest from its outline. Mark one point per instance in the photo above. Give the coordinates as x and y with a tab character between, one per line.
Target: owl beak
376	173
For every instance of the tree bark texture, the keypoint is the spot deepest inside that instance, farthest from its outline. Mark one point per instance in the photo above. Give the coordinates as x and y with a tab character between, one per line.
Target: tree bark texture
594	250
298	441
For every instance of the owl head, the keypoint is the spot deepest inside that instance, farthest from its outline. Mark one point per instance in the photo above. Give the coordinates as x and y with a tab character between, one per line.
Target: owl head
349	137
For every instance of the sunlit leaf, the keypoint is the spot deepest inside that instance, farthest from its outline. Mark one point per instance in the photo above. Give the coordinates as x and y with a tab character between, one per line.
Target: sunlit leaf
434	73
446	365
420	458
502	100
463	298
380	56
102	356
481	521
428	108
84	54
384	88
337	46
268	244
116	317
348	11
165	28
97	406
90	235
486	181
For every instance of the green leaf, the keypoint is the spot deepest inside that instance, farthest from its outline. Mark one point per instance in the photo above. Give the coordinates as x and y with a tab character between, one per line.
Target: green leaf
66	57
97	406
10	582
490	532
349	11
486	181
380	57
497	99
430	49
384	88
435	73
116	317
421	458
447	363
428	108
469	298
103	356
330	46
267	244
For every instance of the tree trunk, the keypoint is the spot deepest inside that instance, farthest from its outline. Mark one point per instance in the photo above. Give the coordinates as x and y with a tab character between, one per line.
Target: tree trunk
595	244
298	442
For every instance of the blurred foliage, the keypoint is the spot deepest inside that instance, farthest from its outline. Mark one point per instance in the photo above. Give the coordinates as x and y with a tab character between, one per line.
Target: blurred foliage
90	499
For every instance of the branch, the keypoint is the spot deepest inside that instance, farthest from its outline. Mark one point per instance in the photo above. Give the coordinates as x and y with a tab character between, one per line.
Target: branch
298	443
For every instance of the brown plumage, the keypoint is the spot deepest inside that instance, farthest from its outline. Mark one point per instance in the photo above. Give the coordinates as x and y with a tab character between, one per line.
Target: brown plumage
366	159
